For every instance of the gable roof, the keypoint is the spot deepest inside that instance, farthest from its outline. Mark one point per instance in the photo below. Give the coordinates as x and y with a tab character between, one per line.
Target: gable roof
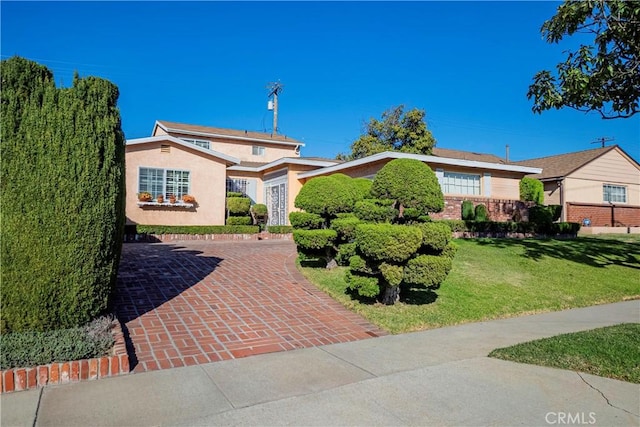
229	160
561	165
259	167
467	155
423	158
250	136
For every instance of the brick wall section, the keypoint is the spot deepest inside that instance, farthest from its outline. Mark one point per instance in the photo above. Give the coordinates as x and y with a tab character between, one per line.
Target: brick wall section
499	209
604	215
117	363
172	237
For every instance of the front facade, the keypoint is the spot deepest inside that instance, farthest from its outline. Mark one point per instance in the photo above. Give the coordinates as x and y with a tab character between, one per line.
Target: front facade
598	187
206	162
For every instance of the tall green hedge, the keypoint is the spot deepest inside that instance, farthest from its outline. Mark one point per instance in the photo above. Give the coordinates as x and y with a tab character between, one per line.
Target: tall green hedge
531	190
62	197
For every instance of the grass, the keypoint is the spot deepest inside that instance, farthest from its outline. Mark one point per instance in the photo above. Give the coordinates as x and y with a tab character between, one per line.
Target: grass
498	278
611	352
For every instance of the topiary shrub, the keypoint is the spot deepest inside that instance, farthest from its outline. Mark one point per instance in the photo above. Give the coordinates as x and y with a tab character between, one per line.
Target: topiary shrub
233	194
435	236
556	212
363	266
238	206
468	211
427	270
375	210
62	198
327	196
391	273
345	227
481	213
259	209
531	190
366	286
388	242
239	220
317	243
305	220
280	229
363	186
345	252
410	184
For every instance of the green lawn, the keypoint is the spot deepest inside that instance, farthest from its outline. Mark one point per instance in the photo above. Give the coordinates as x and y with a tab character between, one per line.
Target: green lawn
496	278
611	352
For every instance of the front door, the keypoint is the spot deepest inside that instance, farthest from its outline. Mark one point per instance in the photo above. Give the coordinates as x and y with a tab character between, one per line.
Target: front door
276	201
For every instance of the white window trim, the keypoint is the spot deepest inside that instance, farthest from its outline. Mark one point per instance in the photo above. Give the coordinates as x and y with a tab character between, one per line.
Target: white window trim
261	150
202	143
164	178
616	186
447	174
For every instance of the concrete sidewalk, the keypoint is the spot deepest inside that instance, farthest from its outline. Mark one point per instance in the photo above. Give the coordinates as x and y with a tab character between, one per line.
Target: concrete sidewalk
436	377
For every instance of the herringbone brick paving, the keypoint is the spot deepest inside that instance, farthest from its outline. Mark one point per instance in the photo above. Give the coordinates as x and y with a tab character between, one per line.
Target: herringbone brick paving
187	303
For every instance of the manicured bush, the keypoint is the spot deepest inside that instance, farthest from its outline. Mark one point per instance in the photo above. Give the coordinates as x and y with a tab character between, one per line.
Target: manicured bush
239	220
388	242
234	194
481	213
375	210
450	250
556	212
345	227
314	239
238	206
540	215
531	190
361	265
305	220
363	186
411	184
366	286
391	273
327	196
259	209
454	224
435	236
345	252
566	228
280	229
468	211
32	348
427	270
62	199
197	229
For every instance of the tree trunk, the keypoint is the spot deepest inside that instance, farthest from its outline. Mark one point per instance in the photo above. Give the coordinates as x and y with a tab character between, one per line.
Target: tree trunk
331	261
391	295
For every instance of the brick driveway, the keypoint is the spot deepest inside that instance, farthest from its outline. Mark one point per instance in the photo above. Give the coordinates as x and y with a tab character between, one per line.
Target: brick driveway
184	303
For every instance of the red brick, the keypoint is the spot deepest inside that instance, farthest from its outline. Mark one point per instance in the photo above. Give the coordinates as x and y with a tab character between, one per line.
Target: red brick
124	363
7	380
21	379
64	373
32	377
114	365
84	369
43	376
104	367
75	371
54	373
93	369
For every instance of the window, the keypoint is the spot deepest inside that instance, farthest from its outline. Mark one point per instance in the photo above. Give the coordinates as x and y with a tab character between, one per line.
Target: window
236	185
460	183
614	193
163	181
257	150
203	143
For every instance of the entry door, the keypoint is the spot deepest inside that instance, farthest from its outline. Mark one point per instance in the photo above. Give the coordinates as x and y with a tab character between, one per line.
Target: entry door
276	201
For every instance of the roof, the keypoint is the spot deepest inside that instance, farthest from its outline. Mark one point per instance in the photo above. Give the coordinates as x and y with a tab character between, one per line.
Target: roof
230	160
467	155
561	165
259	167
435	160
197	130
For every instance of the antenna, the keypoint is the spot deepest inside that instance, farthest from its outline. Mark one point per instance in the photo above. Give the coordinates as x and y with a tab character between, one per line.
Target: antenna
602	140
274	90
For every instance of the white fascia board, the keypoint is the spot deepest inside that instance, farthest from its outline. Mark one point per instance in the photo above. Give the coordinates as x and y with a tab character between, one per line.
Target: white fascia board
281	161
427	159
237	138
178	141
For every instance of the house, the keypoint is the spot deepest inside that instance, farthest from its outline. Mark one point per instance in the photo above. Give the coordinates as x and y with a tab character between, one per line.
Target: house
206	162
597	187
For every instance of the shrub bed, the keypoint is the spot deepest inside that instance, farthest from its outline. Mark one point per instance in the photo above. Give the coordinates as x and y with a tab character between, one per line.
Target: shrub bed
197	229
280	229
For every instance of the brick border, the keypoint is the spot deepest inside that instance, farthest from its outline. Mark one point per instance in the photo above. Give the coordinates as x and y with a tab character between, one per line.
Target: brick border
151	238
18	379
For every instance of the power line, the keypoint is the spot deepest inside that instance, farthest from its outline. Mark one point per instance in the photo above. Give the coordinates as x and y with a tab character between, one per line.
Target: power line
602	140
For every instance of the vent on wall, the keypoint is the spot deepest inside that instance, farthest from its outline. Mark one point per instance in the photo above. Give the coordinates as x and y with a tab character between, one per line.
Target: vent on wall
165	148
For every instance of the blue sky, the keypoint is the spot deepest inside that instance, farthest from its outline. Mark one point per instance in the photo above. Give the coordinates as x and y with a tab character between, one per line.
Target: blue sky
467	64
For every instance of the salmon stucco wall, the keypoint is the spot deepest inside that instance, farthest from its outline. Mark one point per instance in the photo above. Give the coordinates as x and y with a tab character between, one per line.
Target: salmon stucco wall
207	184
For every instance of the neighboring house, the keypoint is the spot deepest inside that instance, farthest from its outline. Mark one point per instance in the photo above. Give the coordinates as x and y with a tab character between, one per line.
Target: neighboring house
206	162
598	187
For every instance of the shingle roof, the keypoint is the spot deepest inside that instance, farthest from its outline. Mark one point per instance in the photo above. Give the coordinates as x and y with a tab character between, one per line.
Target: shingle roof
562	165
467	155
230	132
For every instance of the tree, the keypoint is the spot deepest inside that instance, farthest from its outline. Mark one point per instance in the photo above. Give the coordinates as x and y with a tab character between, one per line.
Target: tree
62	197
531	190
397	131
607	80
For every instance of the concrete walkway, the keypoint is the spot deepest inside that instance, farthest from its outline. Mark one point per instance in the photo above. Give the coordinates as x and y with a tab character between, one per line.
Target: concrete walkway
437	377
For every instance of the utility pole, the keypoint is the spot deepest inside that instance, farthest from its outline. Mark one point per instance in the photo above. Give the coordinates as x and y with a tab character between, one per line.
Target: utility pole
602	140
274	89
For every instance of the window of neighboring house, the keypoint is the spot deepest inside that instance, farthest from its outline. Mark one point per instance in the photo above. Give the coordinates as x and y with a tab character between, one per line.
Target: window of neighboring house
614	193
199	142
237	185
257	150
163	181
460	183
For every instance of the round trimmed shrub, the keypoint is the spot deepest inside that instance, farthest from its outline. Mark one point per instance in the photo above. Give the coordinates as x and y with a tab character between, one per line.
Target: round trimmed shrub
468	211
387	242
372	210
260	209
410	183
366	286
234	194
314	239
391	273
427	270
345	252
326	196
435	236
363	186
450	250
360	265
305	220
345	227
481	213
531	190
238	206
239	220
